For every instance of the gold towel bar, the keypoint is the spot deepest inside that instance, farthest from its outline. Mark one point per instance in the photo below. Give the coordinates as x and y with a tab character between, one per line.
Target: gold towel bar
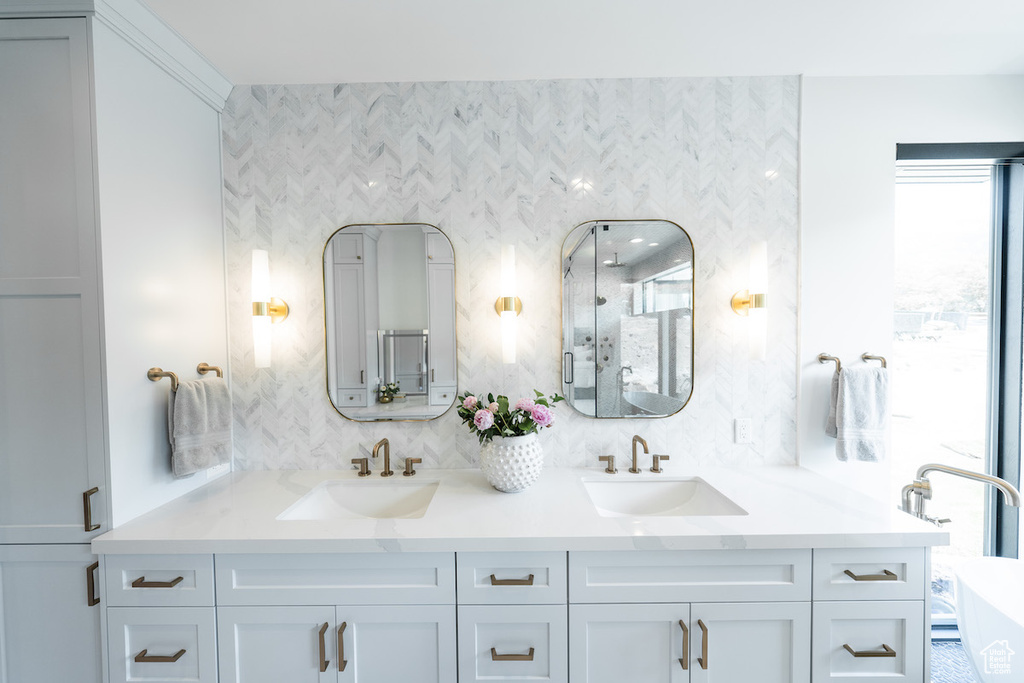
156	374
825	358
867	356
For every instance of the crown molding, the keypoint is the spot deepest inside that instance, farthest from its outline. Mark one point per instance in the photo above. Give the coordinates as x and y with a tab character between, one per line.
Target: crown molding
143	29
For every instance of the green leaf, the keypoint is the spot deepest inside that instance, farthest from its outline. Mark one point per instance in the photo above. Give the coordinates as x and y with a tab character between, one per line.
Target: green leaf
503	404
539	394
490	398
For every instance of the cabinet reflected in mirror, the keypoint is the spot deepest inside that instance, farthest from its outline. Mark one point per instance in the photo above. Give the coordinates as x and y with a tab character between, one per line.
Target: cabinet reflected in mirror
627	318
389	309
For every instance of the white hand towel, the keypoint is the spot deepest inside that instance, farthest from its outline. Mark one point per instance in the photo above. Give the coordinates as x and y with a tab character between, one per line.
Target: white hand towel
862	413
833	398
199	425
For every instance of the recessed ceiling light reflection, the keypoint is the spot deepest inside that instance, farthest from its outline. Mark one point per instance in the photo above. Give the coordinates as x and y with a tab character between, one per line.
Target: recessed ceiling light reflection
637	240
653	244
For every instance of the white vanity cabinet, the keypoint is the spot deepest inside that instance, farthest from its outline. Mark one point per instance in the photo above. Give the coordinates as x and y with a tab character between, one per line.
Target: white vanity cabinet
870	611
512	617
652	612
161	621
659	616
359	618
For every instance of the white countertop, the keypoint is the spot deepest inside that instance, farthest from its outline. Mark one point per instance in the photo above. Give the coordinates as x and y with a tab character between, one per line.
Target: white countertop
787	507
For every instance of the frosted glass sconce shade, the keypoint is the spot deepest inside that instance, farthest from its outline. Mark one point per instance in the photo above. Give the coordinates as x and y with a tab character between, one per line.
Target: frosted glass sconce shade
266	309
753	301
508	305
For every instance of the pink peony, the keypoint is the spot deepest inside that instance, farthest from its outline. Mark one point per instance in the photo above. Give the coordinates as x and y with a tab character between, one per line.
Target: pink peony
470	402
493	408
483	419
542	416
526	404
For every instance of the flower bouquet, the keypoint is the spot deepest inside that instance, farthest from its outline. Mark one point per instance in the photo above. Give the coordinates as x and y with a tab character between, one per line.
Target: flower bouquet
386	392
512	461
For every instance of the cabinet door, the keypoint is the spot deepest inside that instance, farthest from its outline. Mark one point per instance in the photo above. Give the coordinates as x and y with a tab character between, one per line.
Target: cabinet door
276	644
49	633
765	642
350	322
441	318
51	398
617	643
390	643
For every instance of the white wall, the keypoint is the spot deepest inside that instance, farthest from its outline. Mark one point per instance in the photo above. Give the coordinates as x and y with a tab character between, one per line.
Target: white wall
159	175
849	129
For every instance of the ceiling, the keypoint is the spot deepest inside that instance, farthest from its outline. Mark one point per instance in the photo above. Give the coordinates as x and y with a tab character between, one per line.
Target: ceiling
342	41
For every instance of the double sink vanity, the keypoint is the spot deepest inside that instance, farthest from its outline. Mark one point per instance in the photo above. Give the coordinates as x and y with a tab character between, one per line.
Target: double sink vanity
717	575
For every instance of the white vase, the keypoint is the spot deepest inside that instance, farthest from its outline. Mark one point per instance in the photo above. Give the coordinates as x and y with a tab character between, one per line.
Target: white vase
512	463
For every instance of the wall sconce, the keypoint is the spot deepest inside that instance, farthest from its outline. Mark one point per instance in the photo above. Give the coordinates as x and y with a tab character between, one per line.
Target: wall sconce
753	302
508	305
266	309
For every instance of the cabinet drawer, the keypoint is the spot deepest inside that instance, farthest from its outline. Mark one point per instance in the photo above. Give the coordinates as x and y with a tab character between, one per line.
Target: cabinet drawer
347	397
513	643
162	644
343	579
848	637
511	578
869	574
690	576
159	580
442	396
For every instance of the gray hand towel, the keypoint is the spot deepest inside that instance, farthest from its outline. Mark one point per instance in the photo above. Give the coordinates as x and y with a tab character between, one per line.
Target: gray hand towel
862	413
833	398
199	425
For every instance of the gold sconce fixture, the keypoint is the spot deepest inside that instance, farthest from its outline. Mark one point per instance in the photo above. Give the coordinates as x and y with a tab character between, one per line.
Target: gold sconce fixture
753	301
508	306
266	309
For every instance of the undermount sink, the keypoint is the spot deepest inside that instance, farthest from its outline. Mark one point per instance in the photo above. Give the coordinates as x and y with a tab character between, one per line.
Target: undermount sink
678	497
371	499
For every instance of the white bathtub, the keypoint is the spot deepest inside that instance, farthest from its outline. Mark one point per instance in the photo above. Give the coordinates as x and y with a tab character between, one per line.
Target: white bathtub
990	613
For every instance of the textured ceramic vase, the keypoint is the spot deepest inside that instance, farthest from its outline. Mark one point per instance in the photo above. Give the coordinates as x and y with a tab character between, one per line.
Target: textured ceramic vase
512	463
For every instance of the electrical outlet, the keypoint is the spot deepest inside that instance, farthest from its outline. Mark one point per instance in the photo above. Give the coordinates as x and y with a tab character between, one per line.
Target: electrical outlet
743	429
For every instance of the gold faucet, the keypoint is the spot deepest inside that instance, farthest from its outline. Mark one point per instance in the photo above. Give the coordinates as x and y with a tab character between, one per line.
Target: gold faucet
386	472
638	440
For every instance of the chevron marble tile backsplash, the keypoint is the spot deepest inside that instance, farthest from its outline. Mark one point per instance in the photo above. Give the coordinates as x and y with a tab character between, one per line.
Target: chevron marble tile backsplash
520	163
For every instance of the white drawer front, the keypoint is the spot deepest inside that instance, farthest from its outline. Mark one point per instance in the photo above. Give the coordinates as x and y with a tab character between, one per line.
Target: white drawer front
343	579
513	643
159	580
511	578
442	396
690	576
355	398
893	629
869	574
162	644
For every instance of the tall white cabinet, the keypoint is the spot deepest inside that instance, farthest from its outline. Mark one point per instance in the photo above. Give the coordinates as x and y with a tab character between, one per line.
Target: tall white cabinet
109	182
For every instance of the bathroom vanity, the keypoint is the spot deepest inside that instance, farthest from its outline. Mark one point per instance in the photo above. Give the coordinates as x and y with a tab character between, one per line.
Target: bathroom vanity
247	580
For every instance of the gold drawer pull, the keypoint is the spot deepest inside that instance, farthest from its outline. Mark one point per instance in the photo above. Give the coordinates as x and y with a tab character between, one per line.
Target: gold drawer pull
87	505
887	651
143	657
342	662
90	584
703	659
684	661
528	581
142	583
323	649
495	657
886	575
